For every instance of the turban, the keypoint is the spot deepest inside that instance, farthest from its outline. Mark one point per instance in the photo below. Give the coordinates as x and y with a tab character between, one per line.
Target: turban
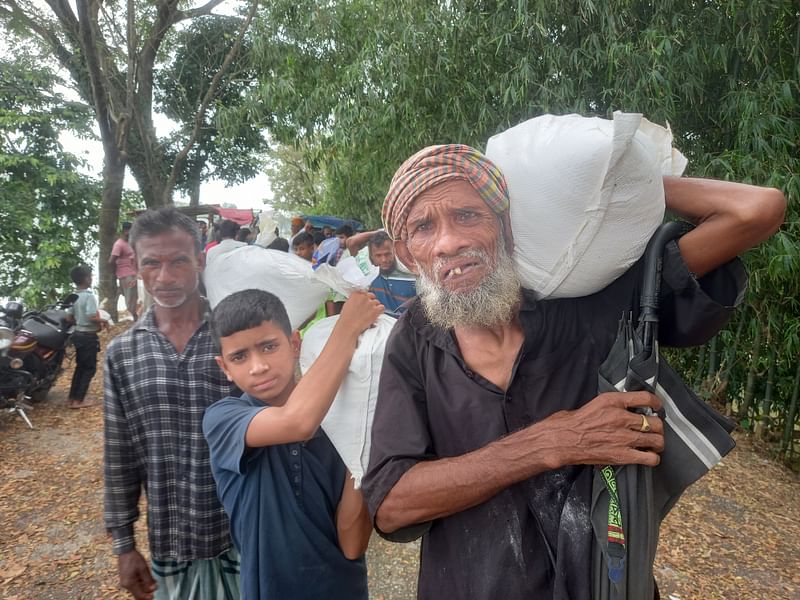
437	164
298	221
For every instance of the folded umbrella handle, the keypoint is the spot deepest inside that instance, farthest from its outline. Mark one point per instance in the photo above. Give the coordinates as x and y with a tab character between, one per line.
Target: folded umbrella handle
653	266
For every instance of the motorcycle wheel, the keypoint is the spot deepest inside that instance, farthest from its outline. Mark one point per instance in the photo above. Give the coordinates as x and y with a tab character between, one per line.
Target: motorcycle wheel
54	370
40	395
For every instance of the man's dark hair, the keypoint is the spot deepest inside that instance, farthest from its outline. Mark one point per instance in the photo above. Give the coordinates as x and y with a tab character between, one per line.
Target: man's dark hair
302	238
228	229
161	220
279	243
344	230
126	225
80	273
319	237
379	238
241	235
247	309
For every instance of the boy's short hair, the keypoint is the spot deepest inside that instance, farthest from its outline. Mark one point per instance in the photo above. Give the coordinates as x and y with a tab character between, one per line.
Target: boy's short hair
319	237
80	273
247	309
302	238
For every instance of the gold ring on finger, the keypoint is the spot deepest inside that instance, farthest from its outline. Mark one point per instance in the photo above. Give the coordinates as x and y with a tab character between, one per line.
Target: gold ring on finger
645	424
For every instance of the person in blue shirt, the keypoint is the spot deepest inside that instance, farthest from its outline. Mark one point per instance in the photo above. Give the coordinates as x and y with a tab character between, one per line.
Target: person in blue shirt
392	287
298	522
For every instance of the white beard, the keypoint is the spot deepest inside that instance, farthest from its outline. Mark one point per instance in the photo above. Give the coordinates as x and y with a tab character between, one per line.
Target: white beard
492	302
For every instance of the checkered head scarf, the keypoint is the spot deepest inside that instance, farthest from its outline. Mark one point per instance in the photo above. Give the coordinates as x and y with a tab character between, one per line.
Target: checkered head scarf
437	164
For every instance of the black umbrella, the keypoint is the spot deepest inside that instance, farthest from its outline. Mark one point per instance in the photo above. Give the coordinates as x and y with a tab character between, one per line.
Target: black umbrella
630	501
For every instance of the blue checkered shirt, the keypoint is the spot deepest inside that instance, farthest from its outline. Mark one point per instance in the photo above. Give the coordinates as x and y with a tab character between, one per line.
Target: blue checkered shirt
154	404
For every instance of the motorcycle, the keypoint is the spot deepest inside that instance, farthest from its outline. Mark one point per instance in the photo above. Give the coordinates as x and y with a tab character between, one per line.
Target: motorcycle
32	349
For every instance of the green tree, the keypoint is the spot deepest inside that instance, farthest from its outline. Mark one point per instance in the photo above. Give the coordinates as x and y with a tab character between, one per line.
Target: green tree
233	155
48	210
111	51
297	183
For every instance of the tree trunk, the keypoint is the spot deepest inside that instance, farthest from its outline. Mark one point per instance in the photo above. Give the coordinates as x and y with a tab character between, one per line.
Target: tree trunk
712	359
707	385
194	194
113	178
151	184
730	358
787	444
701	361
766	404
750	387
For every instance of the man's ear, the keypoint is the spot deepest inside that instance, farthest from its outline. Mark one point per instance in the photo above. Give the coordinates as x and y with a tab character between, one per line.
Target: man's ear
402	253
296	342
221	363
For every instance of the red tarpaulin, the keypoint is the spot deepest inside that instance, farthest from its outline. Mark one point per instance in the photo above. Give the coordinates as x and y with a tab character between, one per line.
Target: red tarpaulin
243	216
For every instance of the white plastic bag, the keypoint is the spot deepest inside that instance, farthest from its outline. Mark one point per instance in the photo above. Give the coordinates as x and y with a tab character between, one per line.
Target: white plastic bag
586	195
287	276
348	423
350	274
265	225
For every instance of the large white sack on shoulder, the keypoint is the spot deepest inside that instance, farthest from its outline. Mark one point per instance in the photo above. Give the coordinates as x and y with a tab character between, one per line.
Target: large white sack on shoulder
348	423
286	275
586	194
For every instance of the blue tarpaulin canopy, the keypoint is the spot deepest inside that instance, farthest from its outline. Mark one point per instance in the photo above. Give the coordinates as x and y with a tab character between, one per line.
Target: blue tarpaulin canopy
320	221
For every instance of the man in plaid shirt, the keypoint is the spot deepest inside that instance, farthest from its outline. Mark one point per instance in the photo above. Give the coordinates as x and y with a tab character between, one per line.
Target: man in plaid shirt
159	378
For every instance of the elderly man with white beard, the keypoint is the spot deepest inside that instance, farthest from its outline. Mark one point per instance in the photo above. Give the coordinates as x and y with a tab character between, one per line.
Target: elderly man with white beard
488	420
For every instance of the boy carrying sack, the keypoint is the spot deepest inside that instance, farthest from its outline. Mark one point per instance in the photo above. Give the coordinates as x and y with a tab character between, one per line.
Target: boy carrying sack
300	526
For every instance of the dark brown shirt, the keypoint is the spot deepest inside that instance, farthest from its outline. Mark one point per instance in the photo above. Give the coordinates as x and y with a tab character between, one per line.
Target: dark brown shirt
534	539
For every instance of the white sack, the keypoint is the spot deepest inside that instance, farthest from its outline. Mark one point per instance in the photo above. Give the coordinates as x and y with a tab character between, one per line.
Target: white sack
586	195
348	423
350	274
265	226
286	275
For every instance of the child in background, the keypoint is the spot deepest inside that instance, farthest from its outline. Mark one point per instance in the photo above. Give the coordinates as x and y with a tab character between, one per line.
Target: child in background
84	337
300	526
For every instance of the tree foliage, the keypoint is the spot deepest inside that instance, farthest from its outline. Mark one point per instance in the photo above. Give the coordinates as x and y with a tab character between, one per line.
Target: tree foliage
296	179
48	211
234	154
111	51
372	82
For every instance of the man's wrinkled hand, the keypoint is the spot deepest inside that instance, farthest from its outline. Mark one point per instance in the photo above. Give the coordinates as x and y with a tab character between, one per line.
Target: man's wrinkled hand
606	430
135	576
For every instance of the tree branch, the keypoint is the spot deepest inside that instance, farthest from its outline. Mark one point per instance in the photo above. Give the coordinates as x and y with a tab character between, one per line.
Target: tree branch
200	11
201	111
48	36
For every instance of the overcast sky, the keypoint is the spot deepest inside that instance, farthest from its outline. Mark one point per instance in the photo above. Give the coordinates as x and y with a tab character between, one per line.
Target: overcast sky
251	194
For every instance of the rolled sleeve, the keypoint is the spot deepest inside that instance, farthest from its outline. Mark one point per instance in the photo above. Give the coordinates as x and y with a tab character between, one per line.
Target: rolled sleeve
400	430
695	309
